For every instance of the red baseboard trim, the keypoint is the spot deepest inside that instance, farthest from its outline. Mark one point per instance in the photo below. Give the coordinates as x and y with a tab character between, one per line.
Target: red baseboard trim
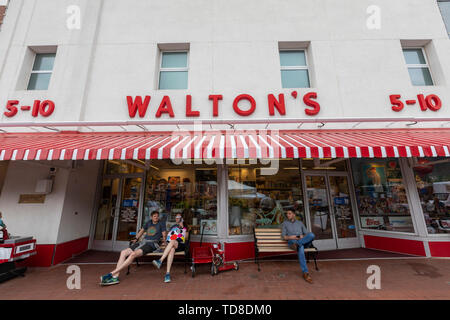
440	249
66	250
414	247
53	254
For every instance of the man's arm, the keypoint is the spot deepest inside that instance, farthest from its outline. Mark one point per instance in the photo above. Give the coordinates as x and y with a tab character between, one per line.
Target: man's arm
139	234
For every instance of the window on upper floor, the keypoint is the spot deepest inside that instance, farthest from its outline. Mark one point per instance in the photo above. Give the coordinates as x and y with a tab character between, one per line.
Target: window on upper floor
42	71
294	69
173	72
444	6
418	68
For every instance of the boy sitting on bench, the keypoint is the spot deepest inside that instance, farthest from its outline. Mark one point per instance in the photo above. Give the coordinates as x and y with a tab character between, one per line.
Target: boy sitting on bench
154	229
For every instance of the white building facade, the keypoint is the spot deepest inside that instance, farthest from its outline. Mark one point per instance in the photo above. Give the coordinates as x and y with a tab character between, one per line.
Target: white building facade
348	100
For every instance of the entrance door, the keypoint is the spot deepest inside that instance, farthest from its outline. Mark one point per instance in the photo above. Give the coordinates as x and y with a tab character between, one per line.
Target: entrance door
330	210
119	211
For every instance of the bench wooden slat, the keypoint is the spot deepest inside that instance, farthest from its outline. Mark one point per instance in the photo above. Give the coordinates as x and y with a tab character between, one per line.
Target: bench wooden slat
267	230
273	244
270	240
269	237
273	234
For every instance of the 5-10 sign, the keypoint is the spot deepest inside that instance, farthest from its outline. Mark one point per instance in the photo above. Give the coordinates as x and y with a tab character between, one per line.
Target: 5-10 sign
431	102
44	108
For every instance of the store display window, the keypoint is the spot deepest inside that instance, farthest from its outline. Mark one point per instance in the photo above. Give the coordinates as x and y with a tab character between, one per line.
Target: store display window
120	167
433	185
261	198
381	196
187	189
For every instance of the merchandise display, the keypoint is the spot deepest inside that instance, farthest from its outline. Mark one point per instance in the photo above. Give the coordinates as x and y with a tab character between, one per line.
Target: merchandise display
433	186
381	195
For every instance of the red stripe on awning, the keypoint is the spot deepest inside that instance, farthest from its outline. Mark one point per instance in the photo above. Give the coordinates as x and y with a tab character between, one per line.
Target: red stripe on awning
235	143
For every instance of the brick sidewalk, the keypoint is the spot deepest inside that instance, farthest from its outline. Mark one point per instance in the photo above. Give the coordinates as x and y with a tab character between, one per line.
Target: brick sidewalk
400	279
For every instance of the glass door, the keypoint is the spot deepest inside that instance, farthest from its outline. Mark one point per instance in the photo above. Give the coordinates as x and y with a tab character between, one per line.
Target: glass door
119	211
341	204
330	210
318	203
128	214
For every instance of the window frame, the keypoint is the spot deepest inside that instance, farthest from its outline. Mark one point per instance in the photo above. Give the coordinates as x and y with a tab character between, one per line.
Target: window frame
419	66
161	69
442	16
284	68
41	71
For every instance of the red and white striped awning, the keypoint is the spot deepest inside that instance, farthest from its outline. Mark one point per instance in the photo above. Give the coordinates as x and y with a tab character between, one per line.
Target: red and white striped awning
226	144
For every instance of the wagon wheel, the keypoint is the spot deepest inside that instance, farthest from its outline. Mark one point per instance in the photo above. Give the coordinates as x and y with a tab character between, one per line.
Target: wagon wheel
213	269
218	261
193	270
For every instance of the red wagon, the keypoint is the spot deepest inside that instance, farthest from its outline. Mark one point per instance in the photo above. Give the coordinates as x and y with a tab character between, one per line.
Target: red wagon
214	256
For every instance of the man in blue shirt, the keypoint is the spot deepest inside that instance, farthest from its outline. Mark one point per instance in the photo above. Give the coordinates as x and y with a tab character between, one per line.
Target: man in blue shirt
154	230
295	232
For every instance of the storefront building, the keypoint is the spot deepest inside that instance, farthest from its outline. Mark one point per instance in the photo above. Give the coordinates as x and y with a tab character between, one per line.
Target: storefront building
230	113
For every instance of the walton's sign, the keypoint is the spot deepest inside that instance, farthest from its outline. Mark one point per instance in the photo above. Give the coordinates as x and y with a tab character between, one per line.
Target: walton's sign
276	105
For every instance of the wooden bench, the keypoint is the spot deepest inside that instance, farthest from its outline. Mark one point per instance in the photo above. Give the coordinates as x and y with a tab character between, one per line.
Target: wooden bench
159	253
269	240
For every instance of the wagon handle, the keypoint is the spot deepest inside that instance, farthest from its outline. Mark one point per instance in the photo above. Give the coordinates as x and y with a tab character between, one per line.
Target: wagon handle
203	229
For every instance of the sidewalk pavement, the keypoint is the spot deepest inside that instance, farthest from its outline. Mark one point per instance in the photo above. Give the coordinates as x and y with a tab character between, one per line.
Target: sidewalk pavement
401	278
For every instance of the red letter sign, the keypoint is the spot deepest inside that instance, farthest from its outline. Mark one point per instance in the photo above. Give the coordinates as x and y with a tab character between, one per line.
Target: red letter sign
310	103
46	108
134	106
215	99
240	111
278	104
397	105
165	107
434	102
11	107
189	112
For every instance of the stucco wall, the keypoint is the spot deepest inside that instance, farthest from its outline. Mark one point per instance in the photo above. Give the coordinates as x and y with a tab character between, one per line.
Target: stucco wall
79	202
233	50
39	220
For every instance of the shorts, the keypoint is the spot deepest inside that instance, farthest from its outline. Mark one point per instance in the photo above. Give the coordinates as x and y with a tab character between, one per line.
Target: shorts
145	246
181	247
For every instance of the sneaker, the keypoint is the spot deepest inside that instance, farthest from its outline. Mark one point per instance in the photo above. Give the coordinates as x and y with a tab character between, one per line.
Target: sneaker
157	263
110	281
105	277
307	277
167	277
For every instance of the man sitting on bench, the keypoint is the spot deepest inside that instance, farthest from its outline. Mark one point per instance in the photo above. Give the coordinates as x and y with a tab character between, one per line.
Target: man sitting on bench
154	230
295	232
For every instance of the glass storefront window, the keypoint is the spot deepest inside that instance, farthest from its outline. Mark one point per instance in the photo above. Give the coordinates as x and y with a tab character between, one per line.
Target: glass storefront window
433	185
381	195
187	189
257	199
117	166
327	164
